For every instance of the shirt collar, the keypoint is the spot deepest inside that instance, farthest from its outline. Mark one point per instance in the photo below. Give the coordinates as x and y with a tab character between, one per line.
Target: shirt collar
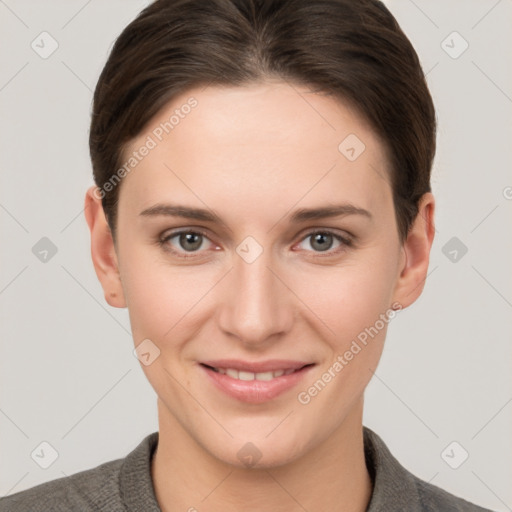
393	486
136	486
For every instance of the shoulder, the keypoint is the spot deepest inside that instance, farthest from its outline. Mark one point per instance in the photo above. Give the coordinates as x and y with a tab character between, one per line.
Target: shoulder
396	488
434	498
87	490
113	486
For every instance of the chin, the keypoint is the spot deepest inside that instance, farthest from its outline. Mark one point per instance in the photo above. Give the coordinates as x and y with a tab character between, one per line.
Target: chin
258	454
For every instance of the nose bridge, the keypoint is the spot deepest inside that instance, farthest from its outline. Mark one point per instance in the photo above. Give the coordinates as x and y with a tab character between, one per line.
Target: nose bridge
256	307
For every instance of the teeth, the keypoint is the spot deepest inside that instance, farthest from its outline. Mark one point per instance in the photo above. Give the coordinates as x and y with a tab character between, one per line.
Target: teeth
266	375
232	373
242	375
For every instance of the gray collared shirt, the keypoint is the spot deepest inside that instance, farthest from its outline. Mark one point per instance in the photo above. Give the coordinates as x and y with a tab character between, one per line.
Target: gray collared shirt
125	485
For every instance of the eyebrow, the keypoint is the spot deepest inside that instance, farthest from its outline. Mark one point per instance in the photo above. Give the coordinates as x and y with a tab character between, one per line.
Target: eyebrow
301	215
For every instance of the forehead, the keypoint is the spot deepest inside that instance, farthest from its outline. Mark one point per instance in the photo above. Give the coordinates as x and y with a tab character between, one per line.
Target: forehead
272	142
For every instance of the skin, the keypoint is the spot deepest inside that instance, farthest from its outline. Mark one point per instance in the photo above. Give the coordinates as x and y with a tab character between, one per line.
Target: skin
254	155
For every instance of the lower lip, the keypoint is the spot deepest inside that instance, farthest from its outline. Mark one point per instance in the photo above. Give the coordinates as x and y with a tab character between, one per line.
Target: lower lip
255	391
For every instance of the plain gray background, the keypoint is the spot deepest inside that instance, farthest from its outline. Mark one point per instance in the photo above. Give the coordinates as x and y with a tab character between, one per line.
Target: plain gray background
68	376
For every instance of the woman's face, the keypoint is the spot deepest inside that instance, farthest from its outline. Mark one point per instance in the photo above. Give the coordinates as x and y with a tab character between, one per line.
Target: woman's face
262	281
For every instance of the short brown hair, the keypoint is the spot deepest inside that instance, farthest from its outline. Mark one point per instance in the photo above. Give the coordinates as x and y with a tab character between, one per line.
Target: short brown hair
352	49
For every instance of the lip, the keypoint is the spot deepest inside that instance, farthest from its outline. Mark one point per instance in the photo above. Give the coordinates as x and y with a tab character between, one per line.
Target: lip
256	391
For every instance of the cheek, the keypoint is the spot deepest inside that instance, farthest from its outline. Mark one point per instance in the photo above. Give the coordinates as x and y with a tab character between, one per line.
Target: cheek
167	303
347	298
159	298
354	304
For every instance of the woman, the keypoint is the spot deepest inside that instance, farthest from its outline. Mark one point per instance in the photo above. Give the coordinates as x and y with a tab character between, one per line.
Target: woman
263	209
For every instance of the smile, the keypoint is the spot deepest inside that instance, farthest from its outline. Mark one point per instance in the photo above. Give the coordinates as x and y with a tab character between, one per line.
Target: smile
255	383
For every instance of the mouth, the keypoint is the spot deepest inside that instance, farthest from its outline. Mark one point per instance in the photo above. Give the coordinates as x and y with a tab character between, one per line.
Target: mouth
255	383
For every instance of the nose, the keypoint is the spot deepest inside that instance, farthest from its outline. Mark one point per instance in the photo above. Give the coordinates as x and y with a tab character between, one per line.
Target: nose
257	308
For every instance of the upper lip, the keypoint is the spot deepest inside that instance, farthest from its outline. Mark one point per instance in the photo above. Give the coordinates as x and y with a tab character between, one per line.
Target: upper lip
270	365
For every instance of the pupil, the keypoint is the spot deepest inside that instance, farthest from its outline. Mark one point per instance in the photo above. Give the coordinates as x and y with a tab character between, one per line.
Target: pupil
323	245
188	238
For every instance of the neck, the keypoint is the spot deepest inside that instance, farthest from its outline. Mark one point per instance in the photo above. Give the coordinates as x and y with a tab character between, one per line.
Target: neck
331	476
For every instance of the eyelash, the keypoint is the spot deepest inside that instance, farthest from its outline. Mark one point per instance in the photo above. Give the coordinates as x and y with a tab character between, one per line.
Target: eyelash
345	241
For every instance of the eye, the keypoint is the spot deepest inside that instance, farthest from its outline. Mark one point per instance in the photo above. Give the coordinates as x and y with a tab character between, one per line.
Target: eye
192	241
187	241
323	240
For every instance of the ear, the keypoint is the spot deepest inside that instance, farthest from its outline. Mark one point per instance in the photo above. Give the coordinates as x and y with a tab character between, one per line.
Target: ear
416	253
103	251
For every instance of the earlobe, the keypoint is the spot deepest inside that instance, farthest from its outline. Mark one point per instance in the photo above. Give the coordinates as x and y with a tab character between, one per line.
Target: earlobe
103	251
416	248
